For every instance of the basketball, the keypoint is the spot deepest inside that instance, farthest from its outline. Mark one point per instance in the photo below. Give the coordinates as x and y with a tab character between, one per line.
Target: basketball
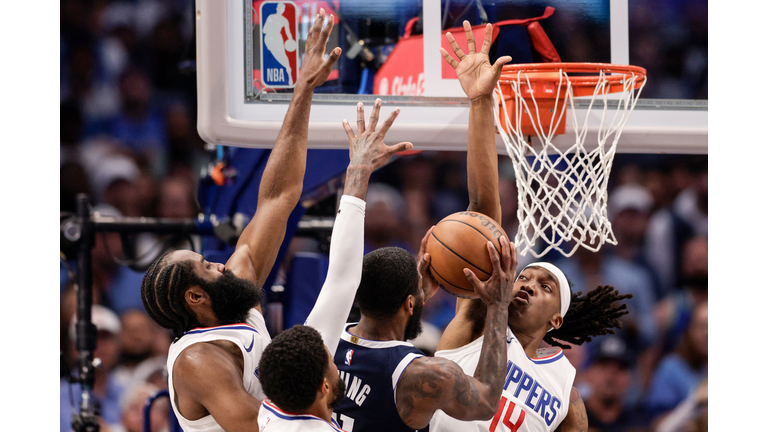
458	242
290	45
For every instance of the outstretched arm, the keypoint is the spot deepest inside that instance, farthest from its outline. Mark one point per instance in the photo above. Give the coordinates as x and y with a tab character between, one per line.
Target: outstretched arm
478	78
576	419
283	177
367	152
429	384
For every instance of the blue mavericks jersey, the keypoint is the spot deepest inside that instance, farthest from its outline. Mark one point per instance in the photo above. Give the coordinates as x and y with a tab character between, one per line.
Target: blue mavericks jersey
371	370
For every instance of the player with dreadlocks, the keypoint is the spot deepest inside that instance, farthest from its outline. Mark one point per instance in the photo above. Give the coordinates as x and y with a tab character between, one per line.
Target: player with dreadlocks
538	393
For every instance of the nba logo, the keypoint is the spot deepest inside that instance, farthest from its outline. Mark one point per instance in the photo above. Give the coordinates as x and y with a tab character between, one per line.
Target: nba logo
279	48
348	357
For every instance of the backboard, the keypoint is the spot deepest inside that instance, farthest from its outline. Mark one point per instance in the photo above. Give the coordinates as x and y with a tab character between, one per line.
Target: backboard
390	50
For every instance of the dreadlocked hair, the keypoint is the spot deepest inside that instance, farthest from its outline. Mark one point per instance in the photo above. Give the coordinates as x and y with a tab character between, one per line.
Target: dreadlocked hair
162	292
595	314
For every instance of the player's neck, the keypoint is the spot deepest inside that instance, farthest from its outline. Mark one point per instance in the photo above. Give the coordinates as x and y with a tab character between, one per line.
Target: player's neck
379	329
321	409
530	341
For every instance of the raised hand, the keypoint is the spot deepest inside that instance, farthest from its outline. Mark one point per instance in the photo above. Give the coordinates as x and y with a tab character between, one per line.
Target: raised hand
315	68
367	148
497	289
476	74
427	282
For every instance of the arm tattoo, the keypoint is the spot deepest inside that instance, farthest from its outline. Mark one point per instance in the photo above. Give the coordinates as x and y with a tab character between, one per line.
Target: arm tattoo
428	383
576	419
491	367
356	182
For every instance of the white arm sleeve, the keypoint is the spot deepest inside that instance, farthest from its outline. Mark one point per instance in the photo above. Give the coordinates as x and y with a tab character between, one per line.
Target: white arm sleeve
345	269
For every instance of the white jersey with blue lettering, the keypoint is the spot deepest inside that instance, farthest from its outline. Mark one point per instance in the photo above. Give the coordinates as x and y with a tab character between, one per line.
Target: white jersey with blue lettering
252	337
536	391
273	419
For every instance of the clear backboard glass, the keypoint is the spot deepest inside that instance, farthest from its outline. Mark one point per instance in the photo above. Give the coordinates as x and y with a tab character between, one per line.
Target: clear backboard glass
391	50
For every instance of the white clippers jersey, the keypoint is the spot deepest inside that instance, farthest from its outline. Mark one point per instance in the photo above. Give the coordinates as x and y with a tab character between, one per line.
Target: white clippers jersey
536	392
252	337
273	419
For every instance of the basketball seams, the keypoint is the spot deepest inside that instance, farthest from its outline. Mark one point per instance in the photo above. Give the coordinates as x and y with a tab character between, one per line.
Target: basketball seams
444	280
474	228
456	254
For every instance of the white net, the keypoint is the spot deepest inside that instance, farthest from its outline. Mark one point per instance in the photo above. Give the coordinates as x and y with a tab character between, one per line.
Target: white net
562	194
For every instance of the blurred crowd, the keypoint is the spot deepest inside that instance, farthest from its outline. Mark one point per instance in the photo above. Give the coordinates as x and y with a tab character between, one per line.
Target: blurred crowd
128	139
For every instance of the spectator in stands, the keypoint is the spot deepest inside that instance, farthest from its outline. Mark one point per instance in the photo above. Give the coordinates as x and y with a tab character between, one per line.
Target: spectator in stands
140	125
680	373
674	311
450	194
185	145
692	204
605	387
177	198
385	218
587	270
416	178
691	415
672	225
629	208
114	181
141	339
116	285
106	388
132	410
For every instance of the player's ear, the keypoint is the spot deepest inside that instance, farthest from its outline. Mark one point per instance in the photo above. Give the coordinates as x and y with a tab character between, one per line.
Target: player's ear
410	303
556	321
195	296
325	388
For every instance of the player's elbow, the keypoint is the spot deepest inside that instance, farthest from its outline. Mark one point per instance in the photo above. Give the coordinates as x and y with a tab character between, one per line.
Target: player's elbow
485	410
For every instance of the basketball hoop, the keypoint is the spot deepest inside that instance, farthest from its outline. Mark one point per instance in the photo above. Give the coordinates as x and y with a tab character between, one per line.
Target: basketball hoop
562	194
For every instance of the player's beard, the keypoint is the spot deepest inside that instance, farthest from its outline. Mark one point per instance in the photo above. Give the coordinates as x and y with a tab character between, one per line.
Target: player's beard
232	297
413	327
338	392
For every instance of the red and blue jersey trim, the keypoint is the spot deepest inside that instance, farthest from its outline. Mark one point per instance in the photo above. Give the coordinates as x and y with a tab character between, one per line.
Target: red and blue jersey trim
288	416
240	326
550	358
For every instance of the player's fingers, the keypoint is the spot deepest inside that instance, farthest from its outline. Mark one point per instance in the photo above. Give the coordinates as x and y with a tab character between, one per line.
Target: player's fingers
495	262
348	130
513	258
332	57
456	50
476	283
315	29
506	254
451	61
486	48
470	37
388	122
360	119
425	240
399	147
500	62
374	120
327	29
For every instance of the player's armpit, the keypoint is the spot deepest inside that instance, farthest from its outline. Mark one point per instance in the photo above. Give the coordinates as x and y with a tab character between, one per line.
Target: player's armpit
576	419
432	383
208	379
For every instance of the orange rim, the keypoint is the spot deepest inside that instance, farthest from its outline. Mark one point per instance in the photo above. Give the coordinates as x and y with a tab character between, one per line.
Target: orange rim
542	72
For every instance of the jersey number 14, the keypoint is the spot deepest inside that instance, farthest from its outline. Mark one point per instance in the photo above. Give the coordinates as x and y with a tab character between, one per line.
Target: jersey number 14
506	407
